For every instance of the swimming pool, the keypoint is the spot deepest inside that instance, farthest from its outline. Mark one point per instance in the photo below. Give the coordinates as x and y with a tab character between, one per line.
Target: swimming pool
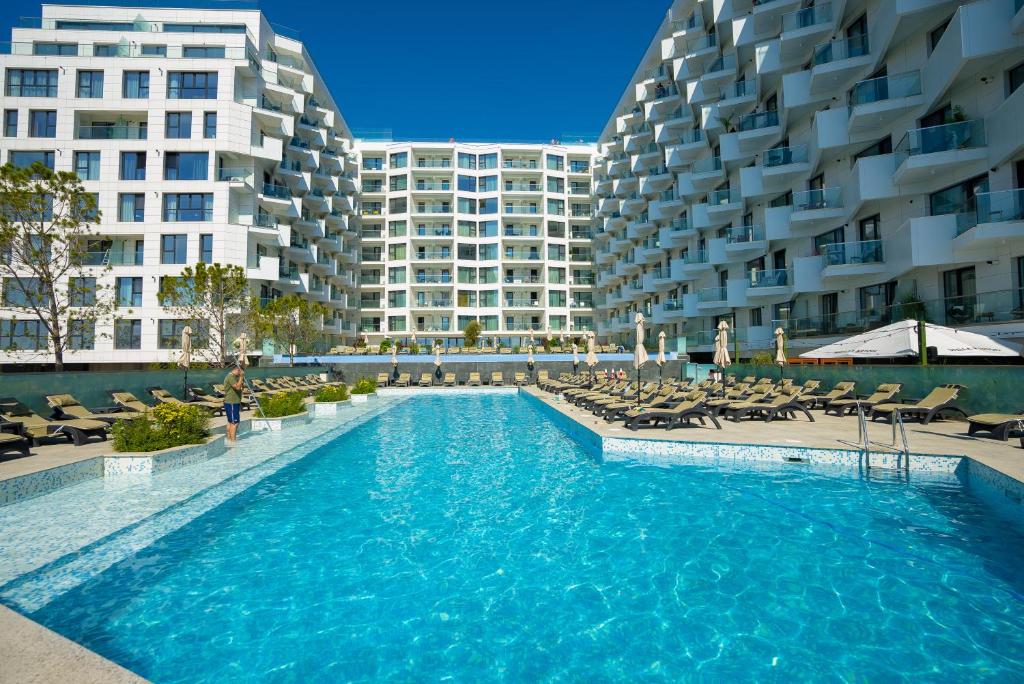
469	537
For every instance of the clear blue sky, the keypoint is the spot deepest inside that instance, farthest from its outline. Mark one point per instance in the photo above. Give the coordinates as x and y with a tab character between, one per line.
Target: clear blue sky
521	69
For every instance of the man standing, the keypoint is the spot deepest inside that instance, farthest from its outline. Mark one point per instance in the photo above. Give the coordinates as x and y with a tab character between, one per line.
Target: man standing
233	400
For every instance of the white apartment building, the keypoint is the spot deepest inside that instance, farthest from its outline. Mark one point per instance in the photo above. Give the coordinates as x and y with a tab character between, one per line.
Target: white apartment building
455	232
821	166
206	136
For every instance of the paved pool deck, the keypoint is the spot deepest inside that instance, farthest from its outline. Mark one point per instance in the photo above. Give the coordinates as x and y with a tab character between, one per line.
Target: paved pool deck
939	438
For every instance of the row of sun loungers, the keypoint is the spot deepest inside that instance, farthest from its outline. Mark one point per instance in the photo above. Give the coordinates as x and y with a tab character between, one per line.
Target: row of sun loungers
449	379
538	348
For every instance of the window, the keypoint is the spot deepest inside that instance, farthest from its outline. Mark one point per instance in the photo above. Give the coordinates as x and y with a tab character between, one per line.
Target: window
467	183
135	85
170	331
960	198
398	205
31	83
466	205
26	158
555	163
203	51
27	335
90	84
489	205
131	207
487	184
556	298
935	35
556	185
24	294
55	49
206	249
81	334
128	334
467	161
110	50
488	161
875	301
133	166
129	292
210	125
154	50
399	160
82	291
399	183
186	166
179	125
1014	78
188	207
87	165
373	163
756	317
189	85
11	123
42	124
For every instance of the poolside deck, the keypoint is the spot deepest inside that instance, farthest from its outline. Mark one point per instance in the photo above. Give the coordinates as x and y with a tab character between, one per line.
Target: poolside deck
942	438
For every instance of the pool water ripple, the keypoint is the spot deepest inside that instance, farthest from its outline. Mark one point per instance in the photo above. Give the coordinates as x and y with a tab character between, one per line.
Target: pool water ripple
469	538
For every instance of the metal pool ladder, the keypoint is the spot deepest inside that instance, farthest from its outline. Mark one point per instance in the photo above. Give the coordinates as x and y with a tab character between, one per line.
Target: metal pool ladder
904	453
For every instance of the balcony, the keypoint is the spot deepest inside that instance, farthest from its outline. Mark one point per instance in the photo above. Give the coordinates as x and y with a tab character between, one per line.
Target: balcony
712	297
770	284
736	95
690	265
691	145
111	132
812	207
803	28
756	129
706	174
877	102
837	61
723	204
853	259
432	255
999	217
745	240
781	165
923	152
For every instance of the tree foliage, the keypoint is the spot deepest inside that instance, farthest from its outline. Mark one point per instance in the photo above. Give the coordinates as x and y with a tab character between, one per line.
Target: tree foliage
45	223
471	333
294	322
218	298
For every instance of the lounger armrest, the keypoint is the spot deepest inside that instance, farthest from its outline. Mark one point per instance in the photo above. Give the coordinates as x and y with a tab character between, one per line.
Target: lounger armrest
909	400
13	428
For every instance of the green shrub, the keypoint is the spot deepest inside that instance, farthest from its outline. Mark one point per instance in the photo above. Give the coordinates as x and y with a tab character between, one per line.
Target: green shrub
762	358
414	348
516	349
171	425
332	393
385	346
365	386
282	404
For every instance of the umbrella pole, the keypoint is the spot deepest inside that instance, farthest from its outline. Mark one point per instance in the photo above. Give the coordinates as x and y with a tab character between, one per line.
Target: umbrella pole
184	394
922	343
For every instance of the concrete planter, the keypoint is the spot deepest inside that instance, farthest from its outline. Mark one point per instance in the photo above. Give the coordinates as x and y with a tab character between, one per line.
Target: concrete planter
362	398
152	462
283	423
328	408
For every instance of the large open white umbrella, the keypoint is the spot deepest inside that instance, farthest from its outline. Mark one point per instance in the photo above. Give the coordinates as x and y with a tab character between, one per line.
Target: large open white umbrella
185	360
549	335
660	359
903	339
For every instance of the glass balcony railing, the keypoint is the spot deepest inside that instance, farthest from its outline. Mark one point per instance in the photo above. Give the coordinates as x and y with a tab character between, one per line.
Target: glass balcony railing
844	253
960	135
276	191
694	257
704	42
758	120
116	132
240	174
708	165
783	156
433	163
691	22
712	294
824	198
718	198
679	225
745	234
778	277
739	89
432	254
726	62
694	135
892	87
1002	205
443	278
807	17
265	221
672	305
842	48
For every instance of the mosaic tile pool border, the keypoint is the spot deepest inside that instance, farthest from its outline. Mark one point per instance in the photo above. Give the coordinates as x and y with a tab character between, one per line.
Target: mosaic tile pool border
411	391
327	408
150	464
35	484
276	424
998	489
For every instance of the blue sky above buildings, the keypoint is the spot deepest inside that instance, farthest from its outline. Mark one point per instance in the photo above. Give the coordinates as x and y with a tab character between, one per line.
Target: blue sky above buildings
523	70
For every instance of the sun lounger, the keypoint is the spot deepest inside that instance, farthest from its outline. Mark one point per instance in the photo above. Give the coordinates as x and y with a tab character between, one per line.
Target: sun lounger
36	427
13	438
497	379
784	405
474	379
164	397
940	400
520	379
882	394
403	380
128	401
841	390
999	425
449	380
542	377
383	379
67	407
673	416
425	380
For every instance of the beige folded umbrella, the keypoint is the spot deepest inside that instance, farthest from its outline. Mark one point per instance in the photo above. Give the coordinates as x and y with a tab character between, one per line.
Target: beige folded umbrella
575	356
780	347
185	360
394	355
722	359
437	357
639	352
243	349
529	355
591	359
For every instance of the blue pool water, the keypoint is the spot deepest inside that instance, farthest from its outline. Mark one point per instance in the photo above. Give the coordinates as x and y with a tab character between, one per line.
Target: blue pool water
469	538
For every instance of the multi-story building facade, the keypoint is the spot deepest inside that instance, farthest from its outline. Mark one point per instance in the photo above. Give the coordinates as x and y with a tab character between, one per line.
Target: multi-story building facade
454	232
206	137
824	167
821	166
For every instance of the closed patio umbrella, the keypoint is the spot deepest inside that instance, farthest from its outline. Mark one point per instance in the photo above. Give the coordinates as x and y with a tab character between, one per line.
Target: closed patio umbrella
437	361
722	359
561	338
780	348
639	351
532	340
660	360
243	350
413	339
591	359
529	360
575	357
394	360
185	360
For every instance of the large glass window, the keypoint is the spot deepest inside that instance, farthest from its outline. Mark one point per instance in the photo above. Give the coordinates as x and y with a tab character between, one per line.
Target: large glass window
186	166
206	248
467	183
487	184
192	85
399	160
87	165
26	158
210	125
131	207
129	292
31	83
135	85
467	161
188	206
11	123
179	125
555	163
81	334
488	161
22	294
133	166
22	335
960	289
42	124
128	334
958	199
55	49
90	84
